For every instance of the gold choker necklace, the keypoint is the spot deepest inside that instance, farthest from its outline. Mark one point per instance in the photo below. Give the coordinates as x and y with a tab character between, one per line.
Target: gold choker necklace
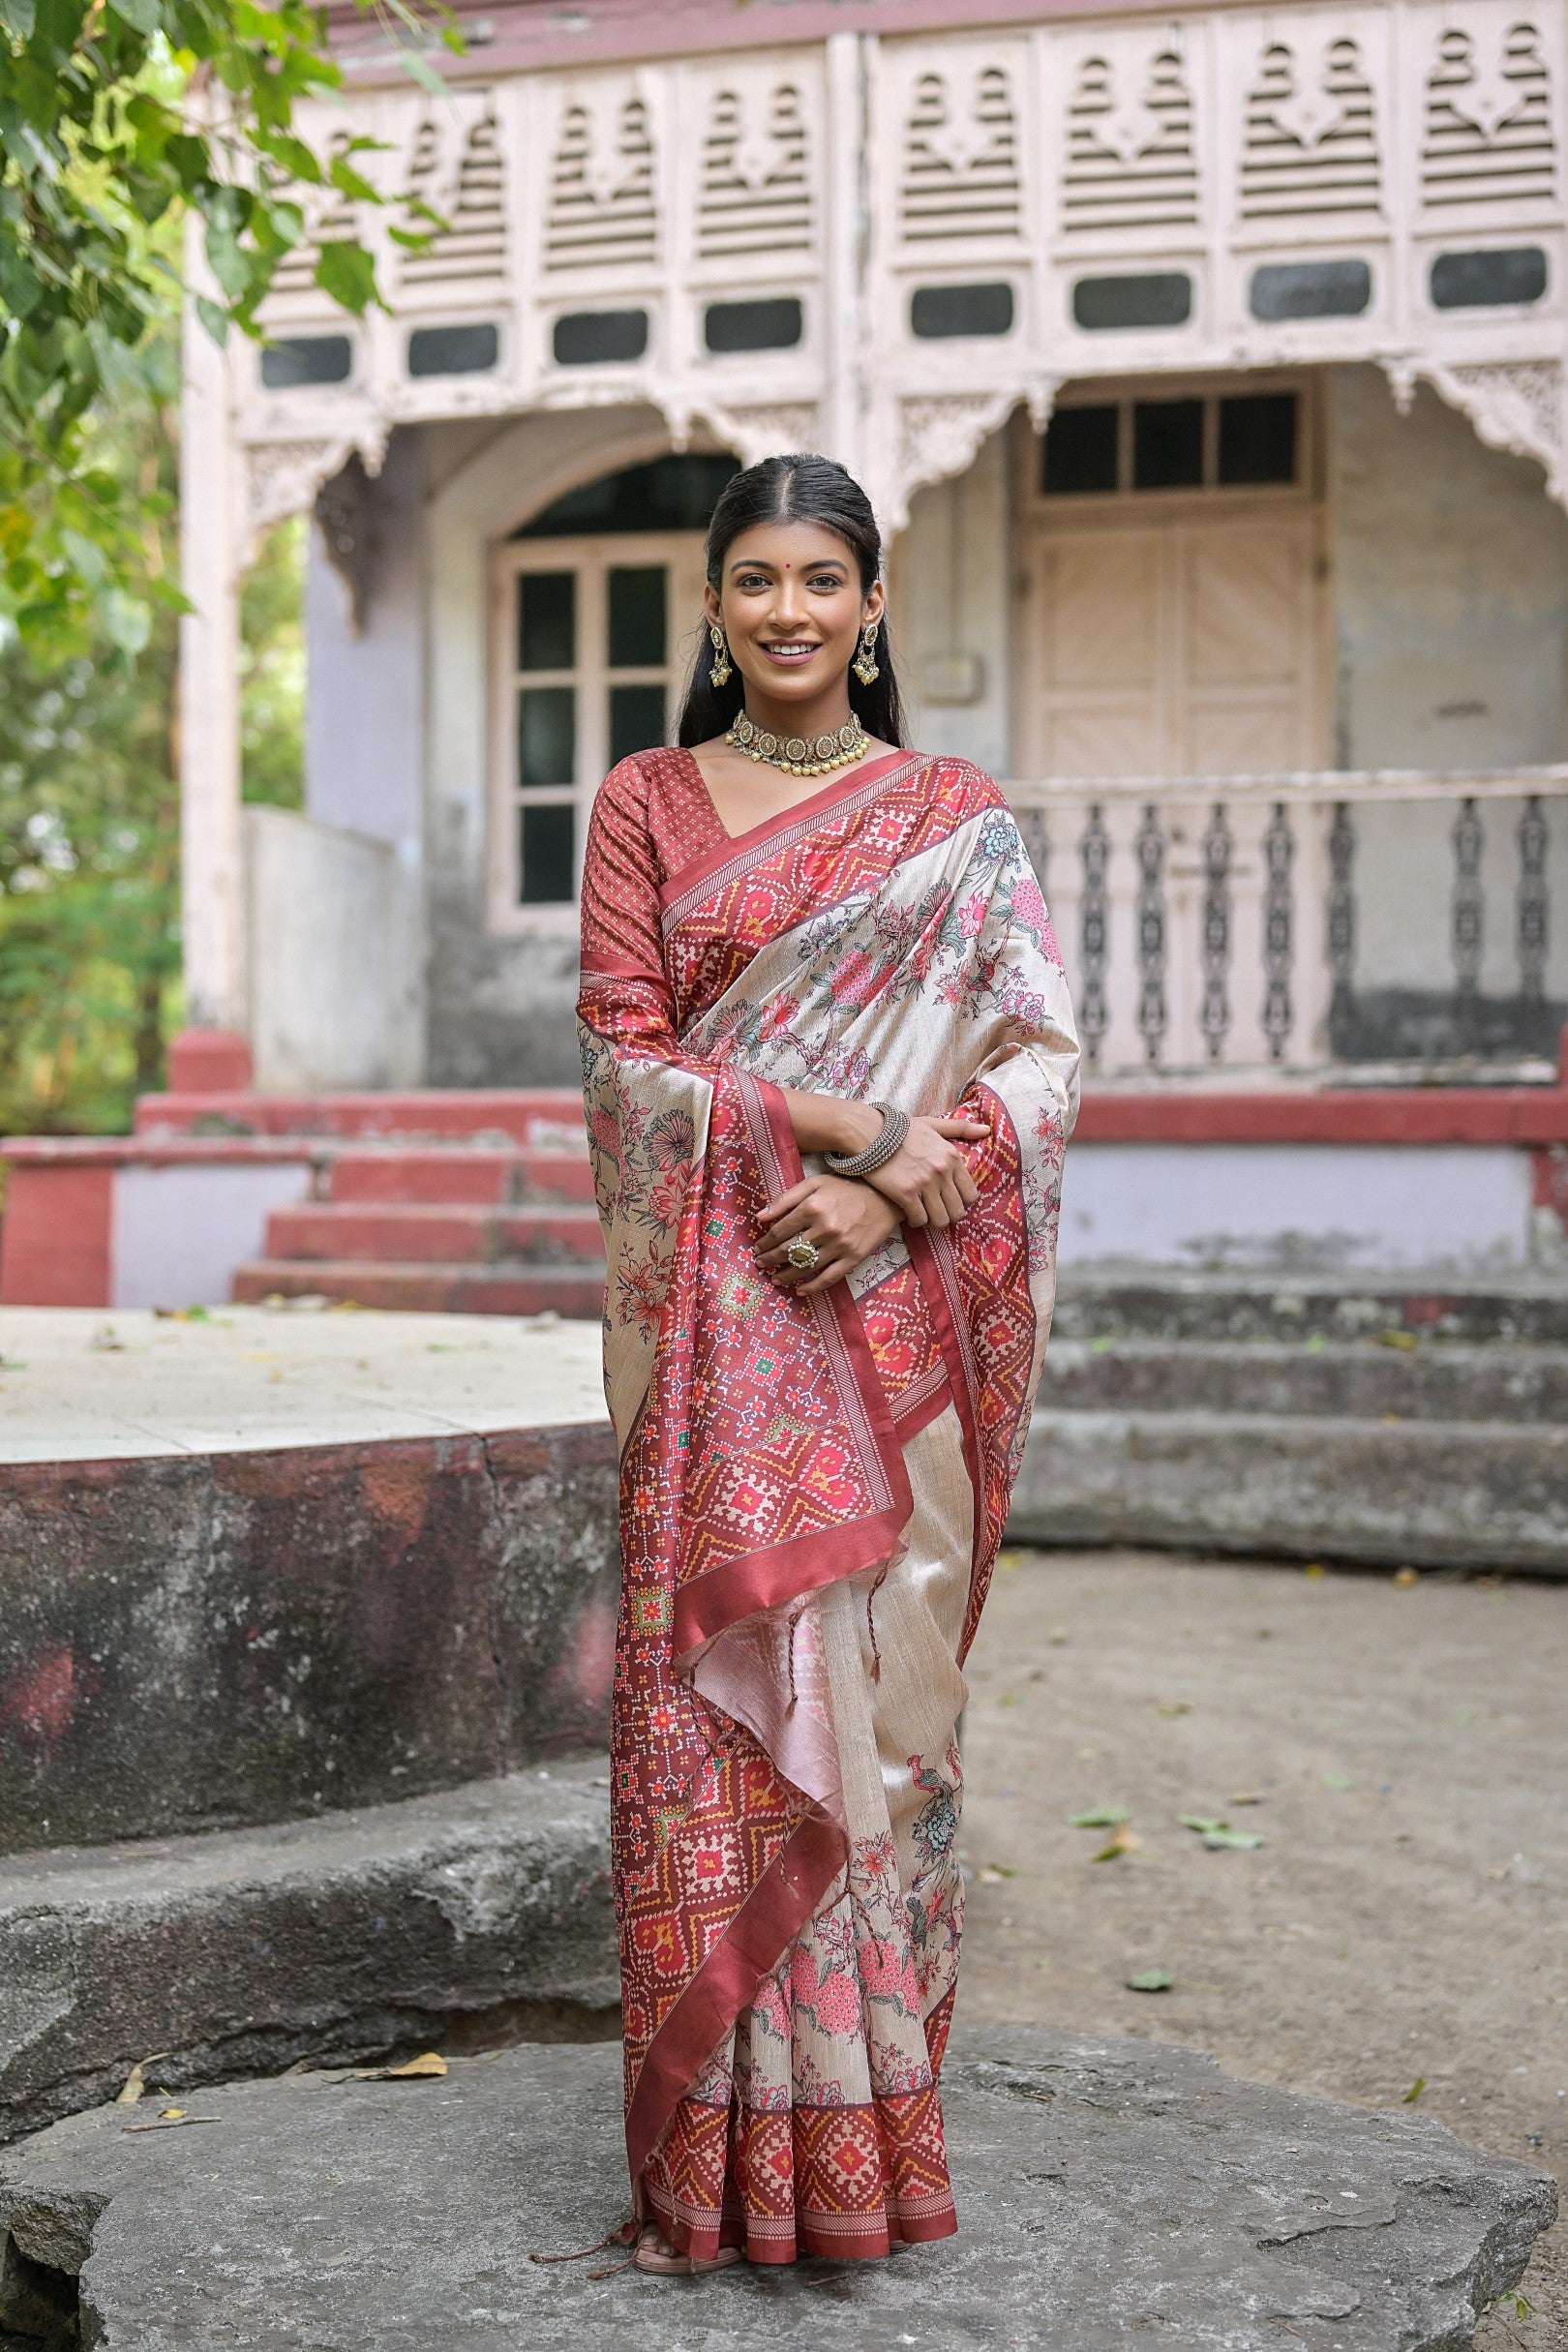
796	754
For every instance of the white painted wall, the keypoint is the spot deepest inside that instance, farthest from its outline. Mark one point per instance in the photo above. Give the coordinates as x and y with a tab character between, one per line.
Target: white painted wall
951	605
335	954
1466	1208
176	1234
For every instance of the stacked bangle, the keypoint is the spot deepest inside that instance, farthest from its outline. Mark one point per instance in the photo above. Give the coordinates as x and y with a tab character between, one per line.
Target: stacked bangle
878	1153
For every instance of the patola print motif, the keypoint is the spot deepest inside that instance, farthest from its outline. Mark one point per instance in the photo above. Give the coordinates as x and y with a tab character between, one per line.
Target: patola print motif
812	1489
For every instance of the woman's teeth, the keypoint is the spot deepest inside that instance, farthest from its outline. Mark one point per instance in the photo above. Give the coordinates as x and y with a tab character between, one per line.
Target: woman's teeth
789	652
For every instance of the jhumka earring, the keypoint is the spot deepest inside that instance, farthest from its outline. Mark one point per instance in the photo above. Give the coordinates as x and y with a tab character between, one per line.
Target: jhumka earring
864	664
719	674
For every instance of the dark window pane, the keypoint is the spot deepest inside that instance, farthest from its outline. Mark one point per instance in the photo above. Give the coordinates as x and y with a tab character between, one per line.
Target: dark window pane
960	310
1167	444
547	620
306	359
637	616
1080	452
547	736
1257	438
1160	300
775	325
453	351
587	338
1474	282
1310	289
671	493
636	721
549	846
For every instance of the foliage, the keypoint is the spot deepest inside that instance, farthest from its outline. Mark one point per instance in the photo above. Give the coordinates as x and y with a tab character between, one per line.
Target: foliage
119	118
272	669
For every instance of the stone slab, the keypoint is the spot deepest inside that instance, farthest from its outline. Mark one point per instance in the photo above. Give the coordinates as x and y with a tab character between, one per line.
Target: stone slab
247	1950
1422	1493
1113	2194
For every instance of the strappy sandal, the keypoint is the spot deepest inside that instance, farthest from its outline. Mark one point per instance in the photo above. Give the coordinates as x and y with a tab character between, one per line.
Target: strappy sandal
652	2257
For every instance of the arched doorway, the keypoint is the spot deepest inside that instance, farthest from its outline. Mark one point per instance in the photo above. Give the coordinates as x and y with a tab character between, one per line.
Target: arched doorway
597	602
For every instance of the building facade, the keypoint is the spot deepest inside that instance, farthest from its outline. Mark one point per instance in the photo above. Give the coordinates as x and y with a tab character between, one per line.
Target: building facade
1207	374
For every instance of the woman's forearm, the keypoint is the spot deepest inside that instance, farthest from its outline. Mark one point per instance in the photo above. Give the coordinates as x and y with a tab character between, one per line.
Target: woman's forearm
826	1123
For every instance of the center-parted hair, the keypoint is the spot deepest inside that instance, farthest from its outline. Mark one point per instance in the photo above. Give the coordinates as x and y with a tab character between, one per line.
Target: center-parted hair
794	489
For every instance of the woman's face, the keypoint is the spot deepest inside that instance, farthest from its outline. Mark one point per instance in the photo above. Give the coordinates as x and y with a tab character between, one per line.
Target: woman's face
791	605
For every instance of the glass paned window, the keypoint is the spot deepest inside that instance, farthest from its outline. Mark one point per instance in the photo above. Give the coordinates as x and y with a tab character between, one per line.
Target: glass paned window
547	620
1080	452
1167	444
548	852
637	616
547	736
636	719
1257	438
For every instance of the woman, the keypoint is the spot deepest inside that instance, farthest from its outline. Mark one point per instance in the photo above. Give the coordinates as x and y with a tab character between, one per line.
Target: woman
830	1068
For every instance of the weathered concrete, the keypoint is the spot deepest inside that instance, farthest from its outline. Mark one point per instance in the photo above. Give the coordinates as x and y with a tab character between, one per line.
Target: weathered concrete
1113	2194
1425	1493
1418	1380
247	1950
1098	1302
231	1631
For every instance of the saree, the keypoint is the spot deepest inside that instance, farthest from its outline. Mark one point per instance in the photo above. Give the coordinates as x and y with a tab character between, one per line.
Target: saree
812	1489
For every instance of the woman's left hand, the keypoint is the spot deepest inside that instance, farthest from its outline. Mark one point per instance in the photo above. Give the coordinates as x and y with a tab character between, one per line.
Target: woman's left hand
843	1219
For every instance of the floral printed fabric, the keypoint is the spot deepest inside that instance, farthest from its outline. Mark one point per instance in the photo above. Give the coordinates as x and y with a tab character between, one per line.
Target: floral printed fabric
812	1491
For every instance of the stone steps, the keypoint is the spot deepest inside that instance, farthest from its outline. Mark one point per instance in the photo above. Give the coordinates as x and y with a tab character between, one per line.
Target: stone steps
1095	1302
437	1233
444	1918
1414	1379
428	1289
454	1172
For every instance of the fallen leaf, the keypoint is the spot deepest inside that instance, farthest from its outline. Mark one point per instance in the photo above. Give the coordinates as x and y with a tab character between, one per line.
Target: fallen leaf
988	1875
1337	1780
1397	1338
429	2061
172	2115
136	2082
1216	1833
1057	1636
107	1341
1246	1796
1174	1707
1010	1699
1406	1577
1103	1817
1391	1421
1007	1561
1123	1840
1150	1980
1414	2091
1316	1343
1102	1346
1315	1569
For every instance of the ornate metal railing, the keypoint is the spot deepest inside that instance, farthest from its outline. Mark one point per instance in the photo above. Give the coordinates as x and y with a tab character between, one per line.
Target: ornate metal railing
1294	922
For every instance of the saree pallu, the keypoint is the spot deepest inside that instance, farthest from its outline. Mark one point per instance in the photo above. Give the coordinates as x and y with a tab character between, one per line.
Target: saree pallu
812	1491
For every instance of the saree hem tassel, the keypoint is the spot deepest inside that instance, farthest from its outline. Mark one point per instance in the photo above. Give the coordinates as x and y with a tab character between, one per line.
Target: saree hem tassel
813	1490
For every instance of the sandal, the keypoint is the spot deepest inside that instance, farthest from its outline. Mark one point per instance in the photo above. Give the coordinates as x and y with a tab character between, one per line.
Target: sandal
656	2256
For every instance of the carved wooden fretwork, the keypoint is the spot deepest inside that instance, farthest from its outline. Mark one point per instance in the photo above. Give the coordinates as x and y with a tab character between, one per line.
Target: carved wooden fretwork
603	209
284	477
1488	135
940	434
1312	132
766	430
1513	404
1129	161
756	190
457	168
960	163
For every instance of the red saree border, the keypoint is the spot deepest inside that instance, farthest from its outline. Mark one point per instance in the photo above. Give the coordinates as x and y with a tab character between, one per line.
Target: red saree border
706	874
768	1921
786	1572
939	1281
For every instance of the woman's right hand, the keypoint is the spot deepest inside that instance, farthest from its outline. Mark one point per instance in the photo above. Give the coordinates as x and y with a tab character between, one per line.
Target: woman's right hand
927	1179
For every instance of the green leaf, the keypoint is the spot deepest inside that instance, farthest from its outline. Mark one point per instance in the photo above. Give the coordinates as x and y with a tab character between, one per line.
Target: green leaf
1103	1817
346	272
1414	2091
127	620
16	18
1150	1980
146	16
214	317
88	555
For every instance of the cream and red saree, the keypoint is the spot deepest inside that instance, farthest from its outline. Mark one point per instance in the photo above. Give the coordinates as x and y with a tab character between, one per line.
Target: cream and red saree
812	1491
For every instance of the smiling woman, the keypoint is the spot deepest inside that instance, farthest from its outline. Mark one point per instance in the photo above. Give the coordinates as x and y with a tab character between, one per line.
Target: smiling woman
806	943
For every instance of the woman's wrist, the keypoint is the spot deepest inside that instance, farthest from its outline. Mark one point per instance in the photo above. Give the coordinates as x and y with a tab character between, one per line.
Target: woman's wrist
858	1124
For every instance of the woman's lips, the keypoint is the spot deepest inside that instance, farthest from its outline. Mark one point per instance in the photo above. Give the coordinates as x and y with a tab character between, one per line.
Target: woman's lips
791	656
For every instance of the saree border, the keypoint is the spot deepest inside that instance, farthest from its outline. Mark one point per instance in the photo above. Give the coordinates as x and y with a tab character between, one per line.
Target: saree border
715	870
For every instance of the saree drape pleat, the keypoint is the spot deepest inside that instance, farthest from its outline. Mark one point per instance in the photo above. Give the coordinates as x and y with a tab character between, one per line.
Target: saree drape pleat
812	1489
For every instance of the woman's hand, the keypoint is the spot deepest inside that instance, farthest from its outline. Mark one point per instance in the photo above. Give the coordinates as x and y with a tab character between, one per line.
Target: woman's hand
844	1219
927	1179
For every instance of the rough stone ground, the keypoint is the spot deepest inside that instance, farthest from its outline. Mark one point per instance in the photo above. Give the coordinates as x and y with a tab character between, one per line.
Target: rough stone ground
1408	1916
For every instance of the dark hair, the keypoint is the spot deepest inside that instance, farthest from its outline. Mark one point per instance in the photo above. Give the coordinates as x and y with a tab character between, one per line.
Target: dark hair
794	489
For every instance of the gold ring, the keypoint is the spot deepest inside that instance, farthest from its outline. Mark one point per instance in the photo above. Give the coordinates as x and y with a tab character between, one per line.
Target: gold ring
802	1253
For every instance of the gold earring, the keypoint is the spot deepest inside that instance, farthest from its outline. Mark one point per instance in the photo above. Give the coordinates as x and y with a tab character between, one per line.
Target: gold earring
719	674
864	664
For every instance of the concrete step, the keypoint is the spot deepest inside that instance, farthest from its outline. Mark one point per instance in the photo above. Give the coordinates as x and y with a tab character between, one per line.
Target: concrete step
456	1173
1424	1493
1113	2194
1096	1302
445	1920
428	1289
1421	1379
546	1118
436	1233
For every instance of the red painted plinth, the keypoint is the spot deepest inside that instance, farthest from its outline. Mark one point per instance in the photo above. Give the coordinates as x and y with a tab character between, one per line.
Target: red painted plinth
209	1061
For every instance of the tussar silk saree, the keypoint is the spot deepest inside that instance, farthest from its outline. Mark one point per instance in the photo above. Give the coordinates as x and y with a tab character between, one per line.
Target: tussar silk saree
812	1491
